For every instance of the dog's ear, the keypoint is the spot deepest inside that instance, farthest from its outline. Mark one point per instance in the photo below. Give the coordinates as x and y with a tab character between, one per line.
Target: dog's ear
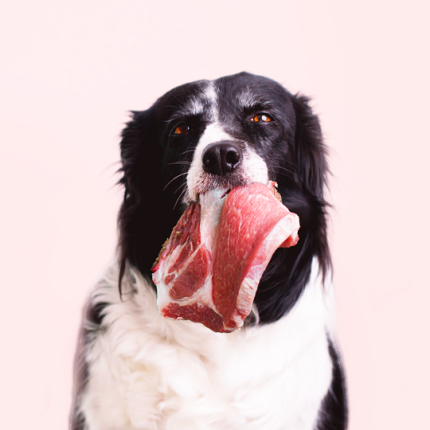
137	150
310	158
141	157
310	151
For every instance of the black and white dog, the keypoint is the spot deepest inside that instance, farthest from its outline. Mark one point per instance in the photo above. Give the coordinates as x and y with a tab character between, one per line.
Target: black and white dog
281	371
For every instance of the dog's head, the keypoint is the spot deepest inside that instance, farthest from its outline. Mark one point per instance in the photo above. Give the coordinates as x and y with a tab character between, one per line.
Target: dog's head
232	131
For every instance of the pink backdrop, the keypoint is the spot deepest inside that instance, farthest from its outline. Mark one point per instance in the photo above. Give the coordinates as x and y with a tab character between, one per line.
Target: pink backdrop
69	73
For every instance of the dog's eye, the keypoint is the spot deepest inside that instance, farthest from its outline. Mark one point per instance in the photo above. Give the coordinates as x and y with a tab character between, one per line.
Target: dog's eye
262	117
181	129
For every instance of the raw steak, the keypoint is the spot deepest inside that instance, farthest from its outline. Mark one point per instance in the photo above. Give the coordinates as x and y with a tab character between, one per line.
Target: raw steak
209	269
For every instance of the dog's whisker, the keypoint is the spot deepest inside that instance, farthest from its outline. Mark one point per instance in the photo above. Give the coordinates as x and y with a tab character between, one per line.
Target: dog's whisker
180	187
180	195
287	170
190	150
176	177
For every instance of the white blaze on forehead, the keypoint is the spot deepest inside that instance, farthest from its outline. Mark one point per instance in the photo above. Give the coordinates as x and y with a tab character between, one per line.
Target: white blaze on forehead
253	168
211	95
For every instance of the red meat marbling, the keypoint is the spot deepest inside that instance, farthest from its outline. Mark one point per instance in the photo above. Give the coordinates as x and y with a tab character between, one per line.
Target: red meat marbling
209	269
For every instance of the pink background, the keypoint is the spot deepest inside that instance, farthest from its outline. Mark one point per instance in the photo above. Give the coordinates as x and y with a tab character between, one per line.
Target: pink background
69	73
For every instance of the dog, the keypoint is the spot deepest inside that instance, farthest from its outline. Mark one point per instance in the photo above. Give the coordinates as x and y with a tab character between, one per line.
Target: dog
281	370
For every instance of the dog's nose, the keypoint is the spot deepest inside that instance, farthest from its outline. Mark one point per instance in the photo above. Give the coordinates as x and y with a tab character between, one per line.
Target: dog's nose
220	158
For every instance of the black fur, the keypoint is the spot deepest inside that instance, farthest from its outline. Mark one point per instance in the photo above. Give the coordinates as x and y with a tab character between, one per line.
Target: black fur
333	414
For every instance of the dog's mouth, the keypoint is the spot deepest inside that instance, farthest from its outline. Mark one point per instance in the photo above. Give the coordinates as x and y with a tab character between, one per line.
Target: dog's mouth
219	193
223	191
209	182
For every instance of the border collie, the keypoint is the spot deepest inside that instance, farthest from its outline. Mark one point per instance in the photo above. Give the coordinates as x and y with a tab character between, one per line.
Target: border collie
281	371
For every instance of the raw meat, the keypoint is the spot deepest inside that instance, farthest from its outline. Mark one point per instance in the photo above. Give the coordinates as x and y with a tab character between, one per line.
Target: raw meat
209	269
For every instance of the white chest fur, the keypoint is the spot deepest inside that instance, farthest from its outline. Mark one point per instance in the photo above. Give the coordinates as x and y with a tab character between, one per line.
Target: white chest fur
146	372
